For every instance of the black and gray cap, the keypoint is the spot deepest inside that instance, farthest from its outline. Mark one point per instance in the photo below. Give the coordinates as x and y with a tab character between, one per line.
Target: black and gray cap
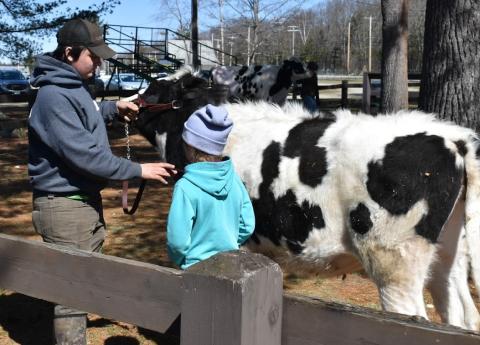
81	32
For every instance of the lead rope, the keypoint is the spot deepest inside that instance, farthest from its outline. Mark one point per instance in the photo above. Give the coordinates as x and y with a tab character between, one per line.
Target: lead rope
125	183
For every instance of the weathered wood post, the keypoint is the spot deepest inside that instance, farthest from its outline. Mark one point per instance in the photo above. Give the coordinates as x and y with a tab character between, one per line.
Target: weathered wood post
233	298
344	103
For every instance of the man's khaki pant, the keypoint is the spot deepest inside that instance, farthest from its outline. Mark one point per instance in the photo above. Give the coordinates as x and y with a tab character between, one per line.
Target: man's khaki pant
74	224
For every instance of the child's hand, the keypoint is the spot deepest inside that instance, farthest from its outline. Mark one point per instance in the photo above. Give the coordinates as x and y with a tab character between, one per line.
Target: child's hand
158	171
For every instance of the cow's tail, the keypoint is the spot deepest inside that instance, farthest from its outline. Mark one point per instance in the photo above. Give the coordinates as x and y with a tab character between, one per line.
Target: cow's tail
472	209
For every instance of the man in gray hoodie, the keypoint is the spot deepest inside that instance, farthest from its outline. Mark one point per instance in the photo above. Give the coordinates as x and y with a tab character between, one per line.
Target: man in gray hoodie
70	160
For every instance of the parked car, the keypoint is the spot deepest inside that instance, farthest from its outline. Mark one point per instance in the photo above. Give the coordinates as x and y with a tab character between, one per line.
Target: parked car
13	82
160	75
95	85
124	81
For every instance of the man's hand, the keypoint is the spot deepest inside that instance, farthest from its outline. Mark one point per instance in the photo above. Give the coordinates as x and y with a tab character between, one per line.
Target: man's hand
127	111
157	171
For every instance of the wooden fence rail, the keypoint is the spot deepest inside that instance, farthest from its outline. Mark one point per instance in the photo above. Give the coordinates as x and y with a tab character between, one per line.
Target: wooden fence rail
233	298
366	86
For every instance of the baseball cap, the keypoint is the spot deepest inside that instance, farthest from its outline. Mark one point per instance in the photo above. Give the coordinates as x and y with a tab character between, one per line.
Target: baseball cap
81	32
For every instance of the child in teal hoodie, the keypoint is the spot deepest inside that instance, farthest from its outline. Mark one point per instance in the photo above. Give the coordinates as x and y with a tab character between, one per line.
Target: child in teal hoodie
210	211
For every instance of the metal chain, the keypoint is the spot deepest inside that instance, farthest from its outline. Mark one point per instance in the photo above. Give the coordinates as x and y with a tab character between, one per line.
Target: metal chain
127	135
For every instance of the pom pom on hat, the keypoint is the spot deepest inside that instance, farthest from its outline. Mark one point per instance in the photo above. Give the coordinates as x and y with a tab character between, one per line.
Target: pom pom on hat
207	129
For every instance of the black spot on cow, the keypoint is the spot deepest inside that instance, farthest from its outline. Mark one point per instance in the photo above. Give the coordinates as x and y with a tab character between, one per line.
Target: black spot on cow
313	166
294	222
301	142
360	219
417	167
257	68
264	206
283	81
461	147
282	217
242	70
305	135
284	76
269	169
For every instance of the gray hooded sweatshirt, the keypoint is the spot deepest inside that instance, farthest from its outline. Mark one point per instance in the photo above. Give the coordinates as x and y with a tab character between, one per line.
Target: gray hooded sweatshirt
68	144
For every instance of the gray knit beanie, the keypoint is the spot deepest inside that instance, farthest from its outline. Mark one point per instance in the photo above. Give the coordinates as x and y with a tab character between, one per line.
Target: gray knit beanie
207	129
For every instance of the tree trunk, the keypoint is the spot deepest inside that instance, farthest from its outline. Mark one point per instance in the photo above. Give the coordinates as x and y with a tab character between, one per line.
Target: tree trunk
395	55
451	70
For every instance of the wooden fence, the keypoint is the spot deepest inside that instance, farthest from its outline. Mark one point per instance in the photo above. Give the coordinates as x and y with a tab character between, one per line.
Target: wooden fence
413	80
233	298
366	86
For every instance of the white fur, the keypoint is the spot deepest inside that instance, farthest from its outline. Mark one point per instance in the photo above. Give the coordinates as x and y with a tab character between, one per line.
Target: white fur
395	257
398	260
161	142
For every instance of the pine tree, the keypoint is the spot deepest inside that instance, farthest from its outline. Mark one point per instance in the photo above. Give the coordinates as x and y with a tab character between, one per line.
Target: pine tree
24	22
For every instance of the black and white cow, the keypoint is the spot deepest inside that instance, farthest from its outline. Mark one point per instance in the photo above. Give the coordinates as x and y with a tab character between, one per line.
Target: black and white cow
400	193
260	82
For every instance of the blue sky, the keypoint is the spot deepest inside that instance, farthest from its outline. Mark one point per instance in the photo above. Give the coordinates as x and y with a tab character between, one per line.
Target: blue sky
129	12
147	13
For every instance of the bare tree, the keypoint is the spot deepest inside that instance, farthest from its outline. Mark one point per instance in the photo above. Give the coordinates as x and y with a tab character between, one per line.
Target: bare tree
180	10
451	72
257	18
395	53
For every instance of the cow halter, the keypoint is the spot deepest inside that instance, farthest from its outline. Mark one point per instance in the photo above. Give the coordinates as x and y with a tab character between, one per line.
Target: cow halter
143	106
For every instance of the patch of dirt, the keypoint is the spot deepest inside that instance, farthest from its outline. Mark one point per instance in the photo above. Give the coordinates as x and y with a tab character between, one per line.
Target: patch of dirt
25	320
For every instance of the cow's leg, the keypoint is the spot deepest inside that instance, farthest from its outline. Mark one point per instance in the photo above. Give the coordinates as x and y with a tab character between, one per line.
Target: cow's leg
449	278
396	258
450	290
399	270
400	273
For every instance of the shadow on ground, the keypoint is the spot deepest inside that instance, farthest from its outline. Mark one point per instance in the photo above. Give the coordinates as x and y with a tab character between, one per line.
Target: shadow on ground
28	321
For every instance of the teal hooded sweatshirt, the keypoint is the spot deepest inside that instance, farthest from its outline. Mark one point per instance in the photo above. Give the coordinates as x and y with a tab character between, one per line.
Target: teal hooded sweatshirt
211	212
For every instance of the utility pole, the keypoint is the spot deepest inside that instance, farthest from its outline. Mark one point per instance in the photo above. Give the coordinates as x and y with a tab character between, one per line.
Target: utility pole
218	51
248	46
222	26
370	44
231	47
293	29
348	48
195	62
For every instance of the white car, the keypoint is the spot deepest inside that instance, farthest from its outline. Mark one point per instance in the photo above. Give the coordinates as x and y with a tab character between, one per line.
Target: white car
124	81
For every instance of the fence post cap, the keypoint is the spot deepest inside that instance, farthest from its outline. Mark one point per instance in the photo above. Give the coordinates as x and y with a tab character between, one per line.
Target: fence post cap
233	265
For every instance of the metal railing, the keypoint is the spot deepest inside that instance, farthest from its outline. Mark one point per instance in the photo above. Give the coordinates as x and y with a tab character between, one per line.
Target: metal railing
148	48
